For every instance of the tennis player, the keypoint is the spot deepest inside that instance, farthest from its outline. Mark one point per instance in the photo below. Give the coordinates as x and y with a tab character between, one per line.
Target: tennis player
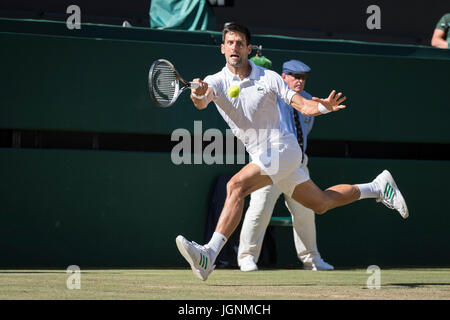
254	118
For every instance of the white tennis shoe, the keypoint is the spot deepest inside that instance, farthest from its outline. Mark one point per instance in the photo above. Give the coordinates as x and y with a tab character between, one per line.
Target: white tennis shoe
248	264
390	194
197	256
318	264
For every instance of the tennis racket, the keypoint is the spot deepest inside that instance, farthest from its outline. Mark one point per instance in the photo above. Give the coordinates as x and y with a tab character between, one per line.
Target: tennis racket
164	83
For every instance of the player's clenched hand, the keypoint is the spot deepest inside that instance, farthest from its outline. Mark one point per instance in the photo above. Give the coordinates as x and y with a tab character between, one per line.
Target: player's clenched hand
201	96
333	102
201	90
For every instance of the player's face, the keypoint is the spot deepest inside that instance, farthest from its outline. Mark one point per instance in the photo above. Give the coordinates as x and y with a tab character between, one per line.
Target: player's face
295	82
236	49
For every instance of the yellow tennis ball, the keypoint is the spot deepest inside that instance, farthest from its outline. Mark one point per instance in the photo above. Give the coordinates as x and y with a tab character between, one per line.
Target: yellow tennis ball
233	91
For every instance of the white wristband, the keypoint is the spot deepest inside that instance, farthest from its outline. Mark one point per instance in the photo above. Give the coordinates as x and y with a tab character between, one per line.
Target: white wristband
322	109
198	97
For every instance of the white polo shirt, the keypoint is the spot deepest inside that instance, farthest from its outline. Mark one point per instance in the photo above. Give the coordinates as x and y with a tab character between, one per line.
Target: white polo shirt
255	107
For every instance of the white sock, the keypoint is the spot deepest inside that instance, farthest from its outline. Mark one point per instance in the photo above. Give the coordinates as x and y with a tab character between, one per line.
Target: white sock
216	244
369	190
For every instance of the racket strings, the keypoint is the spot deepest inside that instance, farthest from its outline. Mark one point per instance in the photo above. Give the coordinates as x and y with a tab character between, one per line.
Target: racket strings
165	83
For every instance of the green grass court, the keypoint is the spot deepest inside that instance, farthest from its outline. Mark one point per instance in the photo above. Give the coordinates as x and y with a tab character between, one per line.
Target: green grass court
180	284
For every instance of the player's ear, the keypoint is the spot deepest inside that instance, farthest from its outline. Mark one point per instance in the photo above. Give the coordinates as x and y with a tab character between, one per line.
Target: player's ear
249	49
222	48
283	75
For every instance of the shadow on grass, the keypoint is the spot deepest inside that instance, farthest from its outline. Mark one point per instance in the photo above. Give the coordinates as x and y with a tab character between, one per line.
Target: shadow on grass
265	285
416	285
31	272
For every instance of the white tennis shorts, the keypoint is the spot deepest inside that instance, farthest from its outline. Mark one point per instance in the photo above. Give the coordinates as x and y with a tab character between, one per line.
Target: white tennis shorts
281	161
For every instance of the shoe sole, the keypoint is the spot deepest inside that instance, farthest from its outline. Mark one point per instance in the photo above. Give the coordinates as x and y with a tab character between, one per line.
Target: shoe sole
315	269
249	270
186	255
399	194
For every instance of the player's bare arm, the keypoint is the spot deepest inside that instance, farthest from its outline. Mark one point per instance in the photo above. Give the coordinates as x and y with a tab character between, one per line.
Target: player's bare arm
438	39
202	95
311	107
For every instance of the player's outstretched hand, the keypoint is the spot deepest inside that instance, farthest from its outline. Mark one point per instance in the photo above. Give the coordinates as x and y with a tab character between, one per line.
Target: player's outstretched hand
333	102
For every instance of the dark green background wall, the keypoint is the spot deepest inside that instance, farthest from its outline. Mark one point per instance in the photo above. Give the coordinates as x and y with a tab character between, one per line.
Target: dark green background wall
105	208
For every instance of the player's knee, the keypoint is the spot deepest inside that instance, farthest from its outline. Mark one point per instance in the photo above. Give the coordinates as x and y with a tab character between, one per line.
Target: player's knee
319	208
321	204
235	189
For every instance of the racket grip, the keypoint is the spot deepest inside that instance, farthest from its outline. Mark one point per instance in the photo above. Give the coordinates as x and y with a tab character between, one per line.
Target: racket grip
195	85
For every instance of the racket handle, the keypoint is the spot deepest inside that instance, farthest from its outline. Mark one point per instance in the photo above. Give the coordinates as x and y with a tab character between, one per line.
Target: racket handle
194	85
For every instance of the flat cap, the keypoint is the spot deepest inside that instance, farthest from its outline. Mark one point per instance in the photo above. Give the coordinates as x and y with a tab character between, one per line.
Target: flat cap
295	66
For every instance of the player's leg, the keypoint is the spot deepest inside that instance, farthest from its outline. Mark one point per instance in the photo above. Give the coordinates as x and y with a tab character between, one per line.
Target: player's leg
201	258
256	220
383	188
311	196
243	183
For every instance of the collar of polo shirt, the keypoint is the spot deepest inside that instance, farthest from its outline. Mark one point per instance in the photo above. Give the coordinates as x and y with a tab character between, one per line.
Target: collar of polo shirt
254	74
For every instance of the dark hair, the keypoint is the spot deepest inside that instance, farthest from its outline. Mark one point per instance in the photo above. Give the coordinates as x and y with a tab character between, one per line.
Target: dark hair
235	27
